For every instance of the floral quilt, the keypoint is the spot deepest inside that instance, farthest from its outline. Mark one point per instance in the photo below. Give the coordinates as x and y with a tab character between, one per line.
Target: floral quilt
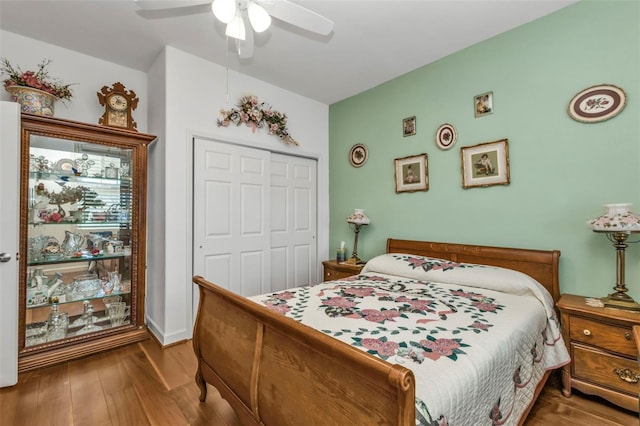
477	338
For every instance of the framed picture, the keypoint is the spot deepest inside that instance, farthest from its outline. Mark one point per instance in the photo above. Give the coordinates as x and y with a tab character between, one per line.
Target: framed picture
483	104
597	103
358	155
446	136
409	126
412	173
485	164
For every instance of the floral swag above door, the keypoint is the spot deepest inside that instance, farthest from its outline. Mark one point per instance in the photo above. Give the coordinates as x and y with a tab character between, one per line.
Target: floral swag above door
257	115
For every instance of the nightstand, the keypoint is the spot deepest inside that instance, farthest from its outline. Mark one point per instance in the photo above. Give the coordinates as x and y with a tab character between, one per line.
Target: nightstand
334	270
604	357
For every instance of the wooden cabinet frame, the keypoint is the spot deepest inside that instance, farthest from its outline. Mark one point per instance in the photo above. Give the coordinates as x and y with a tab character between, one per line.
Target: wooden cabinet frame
48	353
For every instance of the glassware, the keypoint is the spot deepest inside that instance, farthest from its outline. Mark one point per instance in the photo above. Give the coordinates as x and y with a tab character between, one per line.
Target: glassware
35	333
90	327
57	324
72	243
36	247
115	279
117	312
88	285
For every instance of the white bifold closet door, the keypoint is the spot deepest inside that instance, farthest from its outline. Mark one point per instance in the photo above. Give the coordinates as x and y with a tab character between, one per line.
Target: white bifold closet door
254	216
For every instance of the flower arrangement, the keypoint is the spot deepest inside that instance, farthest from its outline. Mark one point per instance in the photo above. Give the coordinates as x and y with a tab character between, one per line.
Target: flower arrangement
39	79
257	115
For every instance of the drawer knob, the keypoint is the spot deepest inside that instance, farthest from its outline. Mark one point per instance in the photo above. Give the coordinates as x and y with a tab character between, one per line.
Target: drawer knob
627	335
587	332
627	375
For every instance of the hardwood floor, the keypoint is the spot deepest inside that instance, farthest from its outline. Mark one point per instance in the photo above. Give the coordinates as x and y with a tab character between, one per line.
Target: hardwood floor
144	384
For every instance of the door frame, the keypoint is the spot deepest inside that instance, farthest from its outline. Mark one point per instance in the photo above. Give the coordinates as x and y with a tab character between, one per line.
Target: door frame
322	238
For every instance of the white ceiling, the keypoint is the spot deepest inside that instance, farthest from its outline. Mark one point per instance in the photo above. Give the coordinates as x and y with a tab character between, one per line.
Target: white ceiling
373	40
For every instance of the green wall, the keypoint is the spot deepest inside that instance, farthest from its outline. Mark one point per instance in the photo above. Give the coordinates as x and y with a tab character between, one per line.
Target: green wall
562	171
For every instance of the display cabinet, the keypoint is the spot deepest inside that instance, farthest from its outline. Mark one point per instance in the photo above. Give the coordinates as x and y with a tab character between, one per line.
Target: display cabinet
82	239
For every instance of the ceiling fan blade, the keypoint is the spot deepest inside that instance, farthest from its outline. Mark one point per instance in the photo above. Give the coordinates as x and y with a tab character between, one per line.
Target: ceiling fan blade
168	4
245	47
299	16
180	8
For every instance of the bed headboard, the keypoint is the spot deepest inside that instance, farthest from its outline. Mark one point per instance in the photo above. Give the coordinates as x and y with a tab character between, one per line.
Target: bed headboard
541	265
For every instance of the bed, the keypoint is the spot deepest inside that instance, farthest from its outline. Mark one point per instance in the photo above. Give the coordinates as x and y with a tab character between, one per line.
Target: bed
429	333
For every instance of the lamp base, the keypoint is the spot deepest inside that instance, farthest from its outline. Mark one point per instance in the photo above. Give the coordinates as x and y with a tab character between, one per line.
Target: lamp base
354	260
620	301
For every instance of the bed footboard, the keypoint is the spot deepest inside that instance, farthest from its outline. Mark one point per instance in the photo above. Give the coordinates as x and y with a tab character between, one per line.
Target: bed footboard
275	371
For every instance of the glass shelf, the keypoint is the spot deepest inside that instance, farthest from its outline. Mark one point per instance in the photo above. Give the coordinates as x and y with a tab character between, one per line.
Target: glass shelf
92	223
71	259
98	296
60	177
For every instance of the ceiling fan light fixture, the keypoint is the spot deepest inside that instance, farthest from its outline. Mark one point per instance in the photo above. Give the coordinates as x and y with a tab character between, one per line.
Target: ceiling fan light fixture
235	28
259	18
224	10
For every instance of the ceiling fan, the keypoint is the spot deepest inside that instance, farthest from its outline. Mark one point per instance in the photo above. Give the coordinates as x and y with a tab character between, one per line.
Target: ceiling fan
242	17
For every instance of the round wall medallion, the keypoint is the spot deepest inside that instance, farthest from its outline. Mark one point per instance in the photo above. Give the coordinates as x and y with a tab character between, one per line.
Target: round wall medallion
597	103
446	136
358	155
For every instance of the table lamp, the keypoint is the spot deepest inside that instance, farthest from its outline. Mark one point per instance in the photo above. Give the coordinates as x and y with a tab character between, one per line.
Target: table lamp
617	223
357	219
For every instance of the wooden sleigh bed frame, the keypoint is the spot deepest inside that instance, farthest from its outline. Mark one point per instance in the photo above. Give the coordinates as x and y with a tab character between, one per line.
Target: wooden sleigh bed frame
276	371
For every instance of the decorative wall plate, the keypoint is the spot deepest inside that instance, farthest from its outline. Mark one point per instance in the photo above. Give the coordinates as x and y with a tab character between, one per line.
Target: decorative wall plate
446	136
65	166
358	155
597	103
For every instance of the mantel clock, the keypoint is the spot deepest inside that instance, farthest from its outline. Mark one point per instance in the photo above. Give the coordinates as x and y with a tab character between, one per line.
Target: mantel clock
118	103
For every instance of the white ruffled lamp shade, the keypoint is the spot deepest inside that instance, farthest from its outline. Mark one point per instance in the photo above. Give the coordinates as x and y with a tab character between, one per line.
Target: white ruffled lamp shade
358	217
616	218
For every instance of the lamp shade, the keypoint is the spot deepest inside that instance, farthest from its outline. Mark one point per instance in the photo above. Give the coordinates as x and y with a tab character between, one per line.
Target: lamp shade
358	217
224	10
616	218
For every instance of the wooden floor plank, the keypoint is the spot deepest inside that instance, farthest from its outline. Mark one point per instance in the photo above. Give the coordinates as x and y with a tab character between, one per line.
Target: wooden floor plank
158	405
128	386
125	406
87	392
553	408
14	399
54	406
170	368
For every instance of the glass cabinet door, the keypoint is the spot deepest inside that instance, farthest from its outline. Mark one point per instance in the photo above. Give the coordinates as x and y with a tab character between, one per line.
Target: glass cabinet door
79	248
82	236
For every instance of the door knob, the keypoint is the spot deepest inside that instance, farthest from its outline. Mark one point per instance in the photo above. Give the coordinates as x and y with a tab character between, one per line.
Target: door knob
4	257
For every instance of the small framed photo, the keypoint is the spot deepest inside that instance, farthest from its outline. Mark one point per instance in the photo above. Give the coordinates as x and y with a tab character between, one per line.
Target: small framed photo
412	173
485	164
409	126
483	104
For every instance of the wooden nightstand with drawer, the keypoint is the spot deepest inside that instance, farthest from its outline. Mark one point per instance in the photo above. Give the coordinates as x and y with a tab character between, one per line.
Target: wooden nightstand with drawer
334	270
604	356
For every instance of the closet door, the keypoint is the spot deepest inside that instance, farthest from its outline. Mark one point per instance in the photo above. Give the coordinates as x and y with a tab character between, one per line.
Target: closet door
231	208
255	218
293	221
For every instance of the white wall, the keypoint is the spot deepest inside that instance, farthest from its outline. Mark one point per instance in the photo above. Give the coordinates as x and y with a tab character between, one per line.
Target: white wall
193	92
90	74
180	97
